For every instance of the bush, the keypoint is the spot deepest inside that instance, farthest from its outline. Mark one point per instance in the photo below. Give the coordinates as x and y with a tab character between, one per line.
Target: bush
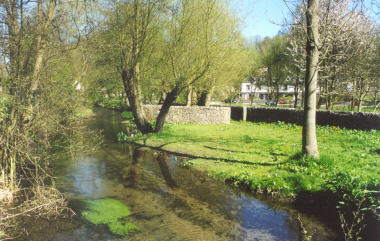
126	115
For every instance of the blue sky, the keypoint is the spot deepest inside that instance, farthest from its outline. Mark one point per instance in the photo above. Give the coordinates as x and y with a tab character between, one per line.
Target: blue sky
264	17
261	17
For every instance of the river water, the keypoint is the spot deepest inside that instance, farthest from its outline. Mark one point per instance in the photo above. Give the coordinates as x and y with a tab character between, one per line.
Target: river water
167	202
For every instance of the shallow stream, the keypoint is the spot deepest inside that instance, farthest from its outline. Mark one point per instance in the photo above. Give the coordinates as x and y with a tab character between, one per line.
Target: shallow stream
167	202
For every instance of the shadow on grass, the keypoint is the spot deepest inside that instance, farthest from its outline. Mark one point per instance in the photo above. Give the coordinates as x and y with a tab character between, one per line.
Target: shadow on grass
190	156
222	149
244	152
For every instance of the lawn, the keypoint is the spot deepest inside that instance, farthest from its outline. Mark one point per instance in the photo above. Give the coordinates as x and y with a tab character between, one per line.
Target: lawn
266	158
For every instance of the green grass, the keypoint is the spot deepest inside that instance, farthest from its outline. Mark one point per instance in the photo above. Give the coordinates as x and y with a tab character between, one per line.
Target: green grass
266	157
109	212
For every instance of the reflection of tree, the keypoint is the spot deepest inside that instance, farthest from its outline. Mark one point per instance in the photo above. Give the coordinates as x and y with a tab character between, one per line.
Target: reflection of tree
131	179
162	159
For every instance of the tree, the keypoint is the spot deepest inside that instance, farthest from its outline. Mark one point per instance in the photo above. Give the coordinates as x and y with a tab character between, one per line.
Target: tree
168	44
275	59
360	73
132	26
343	26
187	48
309	135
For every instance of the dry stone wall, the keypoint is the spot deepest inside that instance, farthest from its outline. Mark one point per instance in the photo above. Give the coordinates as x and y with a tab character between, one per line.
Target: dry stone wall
193	114
348	120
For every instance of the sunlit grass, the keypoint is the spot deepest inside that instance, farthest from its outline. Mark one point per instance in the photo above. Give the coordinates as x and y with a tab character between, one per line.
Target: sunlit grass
267	156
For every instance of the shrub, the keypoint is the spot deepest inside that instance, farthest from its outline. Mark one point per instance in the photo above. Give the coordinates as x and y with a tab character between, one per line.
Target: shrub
126	115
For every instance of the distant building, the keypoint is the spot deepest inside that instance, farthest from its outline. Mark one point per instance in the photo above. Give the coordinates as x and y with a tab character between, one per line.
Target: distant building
249	89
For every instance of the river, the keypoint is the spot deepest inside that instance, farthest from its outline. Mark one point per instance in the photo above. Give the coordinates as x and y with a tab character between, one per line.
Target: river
167	202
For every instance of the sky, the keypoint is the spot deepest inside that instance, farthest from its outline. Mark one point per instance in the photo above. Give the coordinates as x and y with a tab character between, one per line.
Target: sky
264	17
261	17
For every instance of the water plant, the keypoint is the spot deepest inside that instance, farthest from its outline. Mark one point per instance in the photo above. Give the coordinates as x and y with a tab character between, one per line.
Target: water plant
110	212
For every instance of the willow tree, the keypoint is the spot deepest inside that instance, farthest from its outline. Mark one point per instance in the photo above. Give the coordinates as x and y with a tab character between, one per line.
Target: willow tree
228	55
185	36
131	25
192	45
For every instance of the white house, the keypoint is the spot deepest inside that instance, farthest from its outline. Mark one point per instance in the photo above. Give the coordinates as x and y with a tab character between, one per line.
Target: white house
249	88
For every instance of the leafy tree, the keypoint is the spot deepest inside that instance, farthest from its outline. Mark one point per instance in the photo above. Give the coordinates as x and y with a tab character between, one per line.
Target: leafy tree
275	59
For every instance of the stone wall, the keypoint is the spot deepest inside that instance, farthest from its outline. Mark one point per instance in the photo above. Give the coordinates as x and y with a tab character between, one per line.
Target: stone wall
356	120
193	114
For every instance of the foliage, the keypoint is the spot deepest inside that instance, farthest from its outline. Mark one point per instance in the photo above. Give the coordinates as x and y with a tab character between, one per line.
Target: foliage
127	115
109	212
121	136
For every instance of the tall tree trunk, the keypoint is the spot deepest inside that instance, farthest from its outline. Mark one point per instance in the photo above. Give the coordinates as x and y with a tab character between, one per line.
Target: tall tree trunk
170	98
309	137
133	92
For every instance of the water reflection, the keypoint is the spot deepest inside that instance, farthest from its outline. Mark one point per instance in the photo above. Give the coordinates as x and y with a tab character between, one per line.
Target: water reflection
166	201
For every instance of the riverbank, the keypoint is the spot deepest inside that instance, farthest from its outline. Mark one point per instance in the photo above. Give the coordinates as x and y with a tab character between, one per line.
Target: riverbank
266	159
165	200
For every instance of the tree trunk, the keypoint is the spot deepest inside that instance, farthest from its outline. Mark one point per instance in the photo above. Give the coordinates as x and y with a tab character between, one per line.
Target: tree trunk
327	104
319	103
133	92
277	95
202	98
170	98
209	96
189	96
296	88
252	96
205	98
309	137
375	102
360	100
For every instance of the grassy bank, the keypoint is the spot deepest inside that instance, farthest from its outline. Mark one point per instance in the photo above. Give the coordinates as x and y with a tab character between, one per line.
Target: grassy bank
265	157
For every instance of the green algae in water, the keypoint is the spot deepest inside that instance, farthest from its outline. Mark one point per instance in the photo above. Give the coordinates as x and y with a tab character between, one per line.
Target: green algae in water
109	212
